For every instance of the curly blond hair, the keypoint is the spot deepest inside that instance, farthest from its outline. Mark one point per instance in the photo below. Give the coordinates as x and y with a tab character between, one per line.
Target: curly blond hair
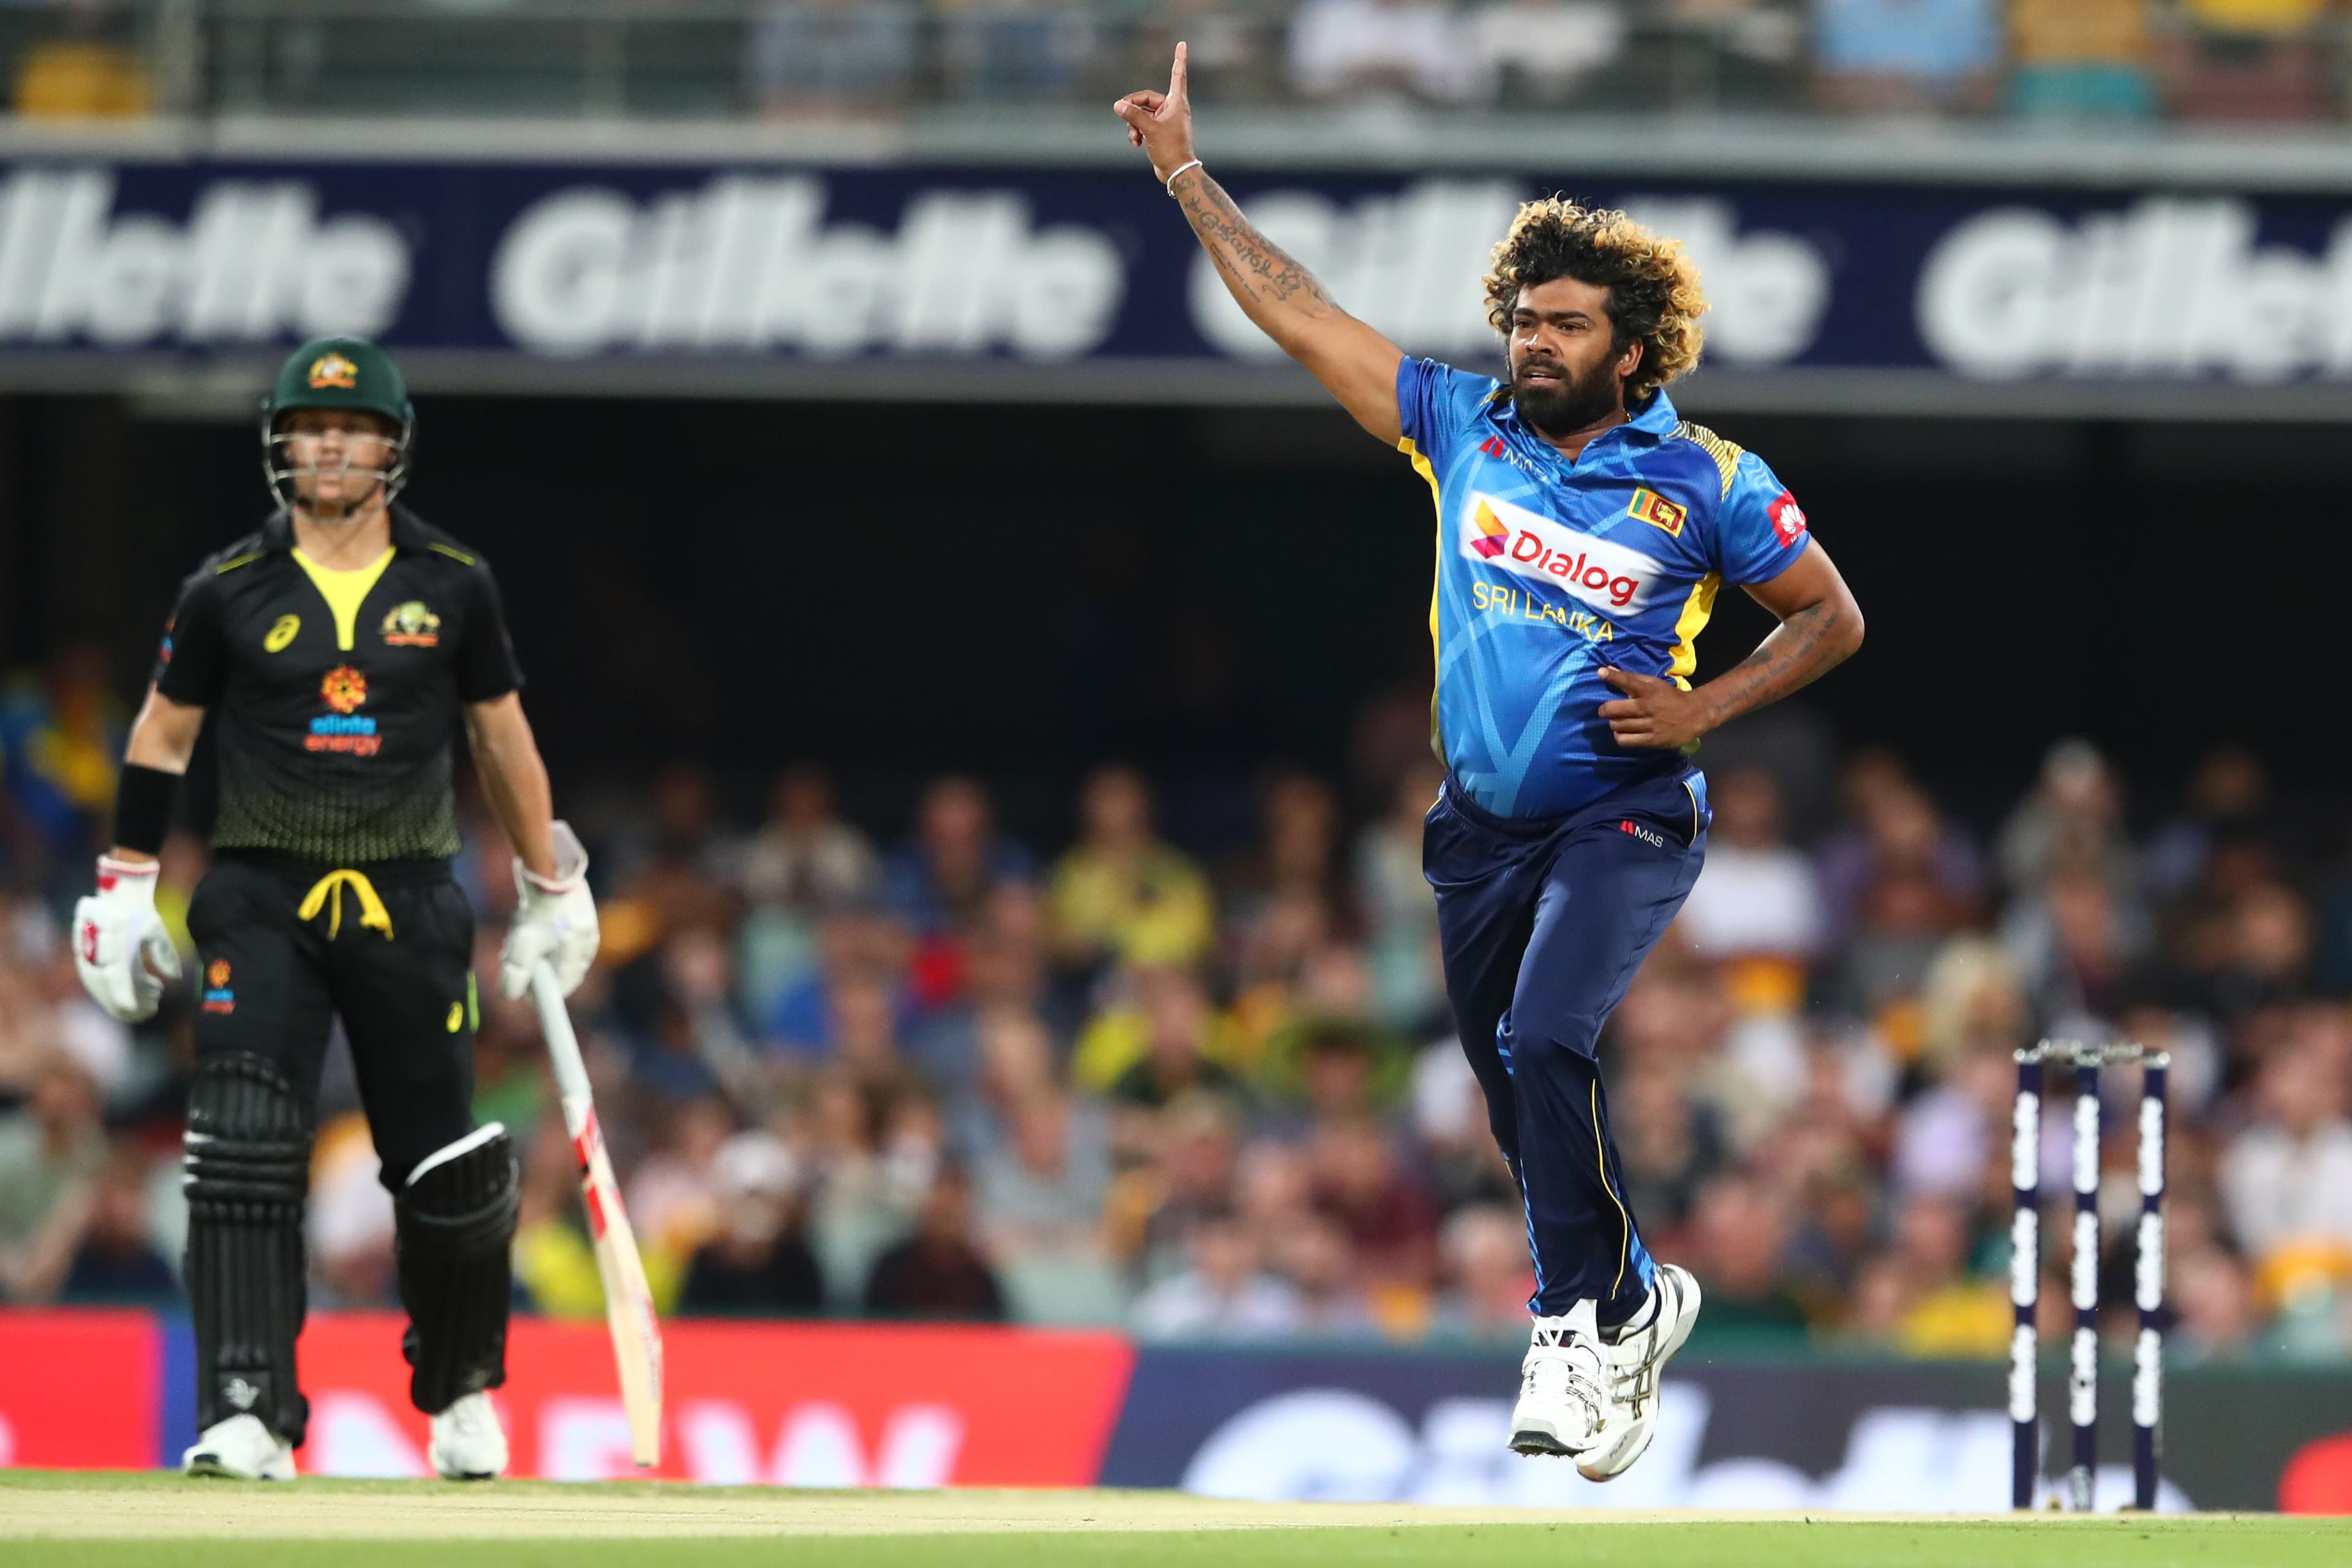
1654	295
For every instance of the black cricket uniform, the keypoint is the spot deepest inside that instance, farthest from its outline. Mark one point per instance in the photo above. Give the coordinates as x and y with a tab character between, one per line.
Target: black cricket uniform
335	699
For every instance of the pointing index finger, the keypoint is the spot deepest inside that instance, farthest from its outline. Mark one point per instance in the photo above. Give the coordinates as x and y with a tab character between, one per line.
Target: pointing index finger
1176	74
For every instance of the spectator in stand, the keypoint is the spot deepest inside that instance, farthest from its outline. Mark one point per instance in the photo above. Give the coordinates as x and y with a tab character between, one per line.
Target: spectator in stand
2249	60
1668	1139
2071	825
1152	1207
1540	51
756	1263
1320	1261
1757	896
116	1264
2229	804
1488	1277
825	58
1740	1242
1390	1220
1355	49
1892	827
805	859
1121	895
1041	1186
1222	1294
2081	59
51	1152
938	1272
1942	1309
1757	48
2212	1300
672	1202
2287	1177
1896	56
1016	49
1176	1028
941	882
1399	913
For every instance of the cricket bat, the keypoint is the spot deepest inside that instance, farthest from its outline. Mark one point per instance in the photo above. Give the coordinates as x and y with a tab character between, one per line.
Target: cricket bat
629	1302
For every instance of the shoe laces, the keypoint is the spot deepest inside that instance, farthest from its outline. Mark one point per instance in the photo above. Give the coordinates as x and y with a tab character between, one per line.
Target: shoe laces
1562	1364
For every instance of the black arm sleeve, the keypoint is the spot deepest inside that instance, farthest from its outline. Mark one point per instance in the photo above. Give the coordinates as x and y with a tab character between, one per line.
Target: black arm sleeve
486	657
191	666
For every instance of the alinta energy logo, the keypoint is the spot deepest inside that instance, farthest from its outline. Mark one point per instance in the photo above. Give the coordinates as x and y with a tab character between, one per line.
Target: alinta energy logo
343	689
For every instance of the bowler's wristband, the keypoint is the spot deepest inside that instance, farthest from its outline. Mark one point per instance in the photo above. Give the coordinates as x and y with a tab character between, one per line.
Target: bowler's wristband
143	808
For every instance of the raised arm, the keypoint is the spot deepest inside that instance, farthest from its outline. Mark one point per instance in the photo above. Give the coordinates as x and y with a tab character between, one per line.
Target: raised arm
1356	364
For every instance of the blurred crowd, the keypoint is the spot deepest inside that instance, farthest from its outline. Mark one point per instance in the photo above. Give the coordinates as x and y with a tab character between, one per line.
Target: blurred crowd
1211	1090
2127	59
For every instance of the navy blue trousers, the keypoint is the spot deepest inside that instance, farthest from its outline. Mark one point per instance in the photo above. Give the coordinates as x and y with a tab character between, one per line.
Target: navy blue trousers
1543	923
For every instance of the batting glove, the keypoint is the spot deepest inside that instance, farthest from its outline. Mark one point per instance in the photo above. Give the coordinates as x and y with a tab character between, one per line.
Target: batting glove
122	950
555	920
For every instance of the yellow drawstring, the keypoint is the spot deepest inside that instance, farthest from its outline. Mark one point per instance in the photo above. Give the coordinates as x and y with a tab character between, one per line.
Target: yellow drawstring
372	910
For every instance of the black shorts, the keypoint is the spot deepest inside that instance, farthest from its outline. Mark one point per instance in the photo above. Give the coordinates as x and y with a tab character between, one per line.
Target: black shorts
271	981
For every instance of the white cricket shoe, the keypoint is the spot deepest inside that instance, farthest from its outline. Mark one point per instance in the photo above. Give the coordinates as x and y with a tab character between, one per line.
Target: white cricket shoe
1634	1366
1563	1386
242	1449
468	1443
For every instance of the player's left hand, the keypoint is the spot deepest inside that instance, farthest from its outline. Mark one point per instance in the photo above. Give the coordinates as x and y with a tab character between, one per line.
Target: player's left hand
554	920
1653	712
122	950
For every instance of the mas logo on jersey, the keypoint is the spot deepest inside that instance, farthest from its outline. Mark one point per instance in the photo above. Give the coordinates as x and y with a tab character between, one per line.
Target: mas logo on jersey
412	625
334	370
1788	519
1658	512
1598	572
219	997
344	688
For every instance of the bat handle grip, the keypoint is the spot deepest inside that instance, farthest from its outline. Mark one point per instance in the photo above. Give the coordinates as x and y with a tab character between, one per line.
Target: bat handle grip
555	1027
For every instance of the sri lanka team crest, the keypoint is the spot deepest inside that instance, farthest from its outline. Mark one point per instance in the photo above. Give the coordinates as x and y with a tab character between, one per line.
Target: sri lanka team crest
412	625
334	370
345	729
1658	512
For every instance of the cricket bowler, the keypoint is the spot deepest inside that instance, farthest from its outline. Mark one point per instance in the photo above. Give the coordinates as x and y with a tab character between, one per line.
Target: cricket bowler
1584	530
334	652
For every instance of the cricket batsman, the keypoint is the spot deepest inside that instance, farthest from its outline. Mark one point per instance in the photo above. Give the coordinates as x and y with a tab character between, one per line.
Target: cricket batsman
334	651
1584	530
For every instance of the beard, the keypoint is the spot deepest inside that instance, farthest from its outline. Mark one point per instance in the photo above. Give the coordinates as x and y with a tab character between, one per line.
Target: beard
1564	407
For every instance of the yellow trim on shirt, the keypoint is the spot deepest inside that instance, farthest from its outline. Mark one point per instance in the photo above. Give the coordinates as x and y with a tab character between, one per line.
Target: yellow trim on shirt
1696	610
1429	475
345	591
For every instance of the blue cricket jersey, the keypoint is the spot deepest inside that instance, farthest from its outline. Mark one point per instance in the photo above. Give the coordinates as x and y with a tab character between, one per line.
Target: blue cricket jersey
1547	570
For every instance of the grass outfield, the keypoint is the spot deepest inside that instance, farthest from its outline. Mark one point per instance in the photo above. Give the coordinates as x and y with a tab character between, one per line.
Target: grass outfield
50	1520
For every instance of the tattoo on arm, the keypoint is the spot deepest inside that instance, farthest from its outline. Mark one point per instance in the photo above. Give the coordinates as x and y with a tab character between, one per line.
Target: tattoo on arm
1268	281
1800	650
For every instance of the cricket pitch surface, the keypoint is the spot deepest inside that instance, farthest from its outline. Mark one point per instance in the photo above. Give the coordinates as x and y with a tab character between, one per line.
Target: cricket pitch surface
136	1519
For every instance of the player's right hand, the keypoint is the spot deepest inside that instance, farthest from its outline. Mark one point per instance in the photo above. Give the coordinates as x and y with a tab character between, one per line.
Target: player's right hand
122	950
554	921
1161	123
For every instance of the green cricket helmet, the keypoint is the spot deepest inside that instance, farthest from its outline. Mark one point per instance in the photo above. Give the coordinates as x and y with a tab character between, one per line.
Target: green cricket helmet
337	372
